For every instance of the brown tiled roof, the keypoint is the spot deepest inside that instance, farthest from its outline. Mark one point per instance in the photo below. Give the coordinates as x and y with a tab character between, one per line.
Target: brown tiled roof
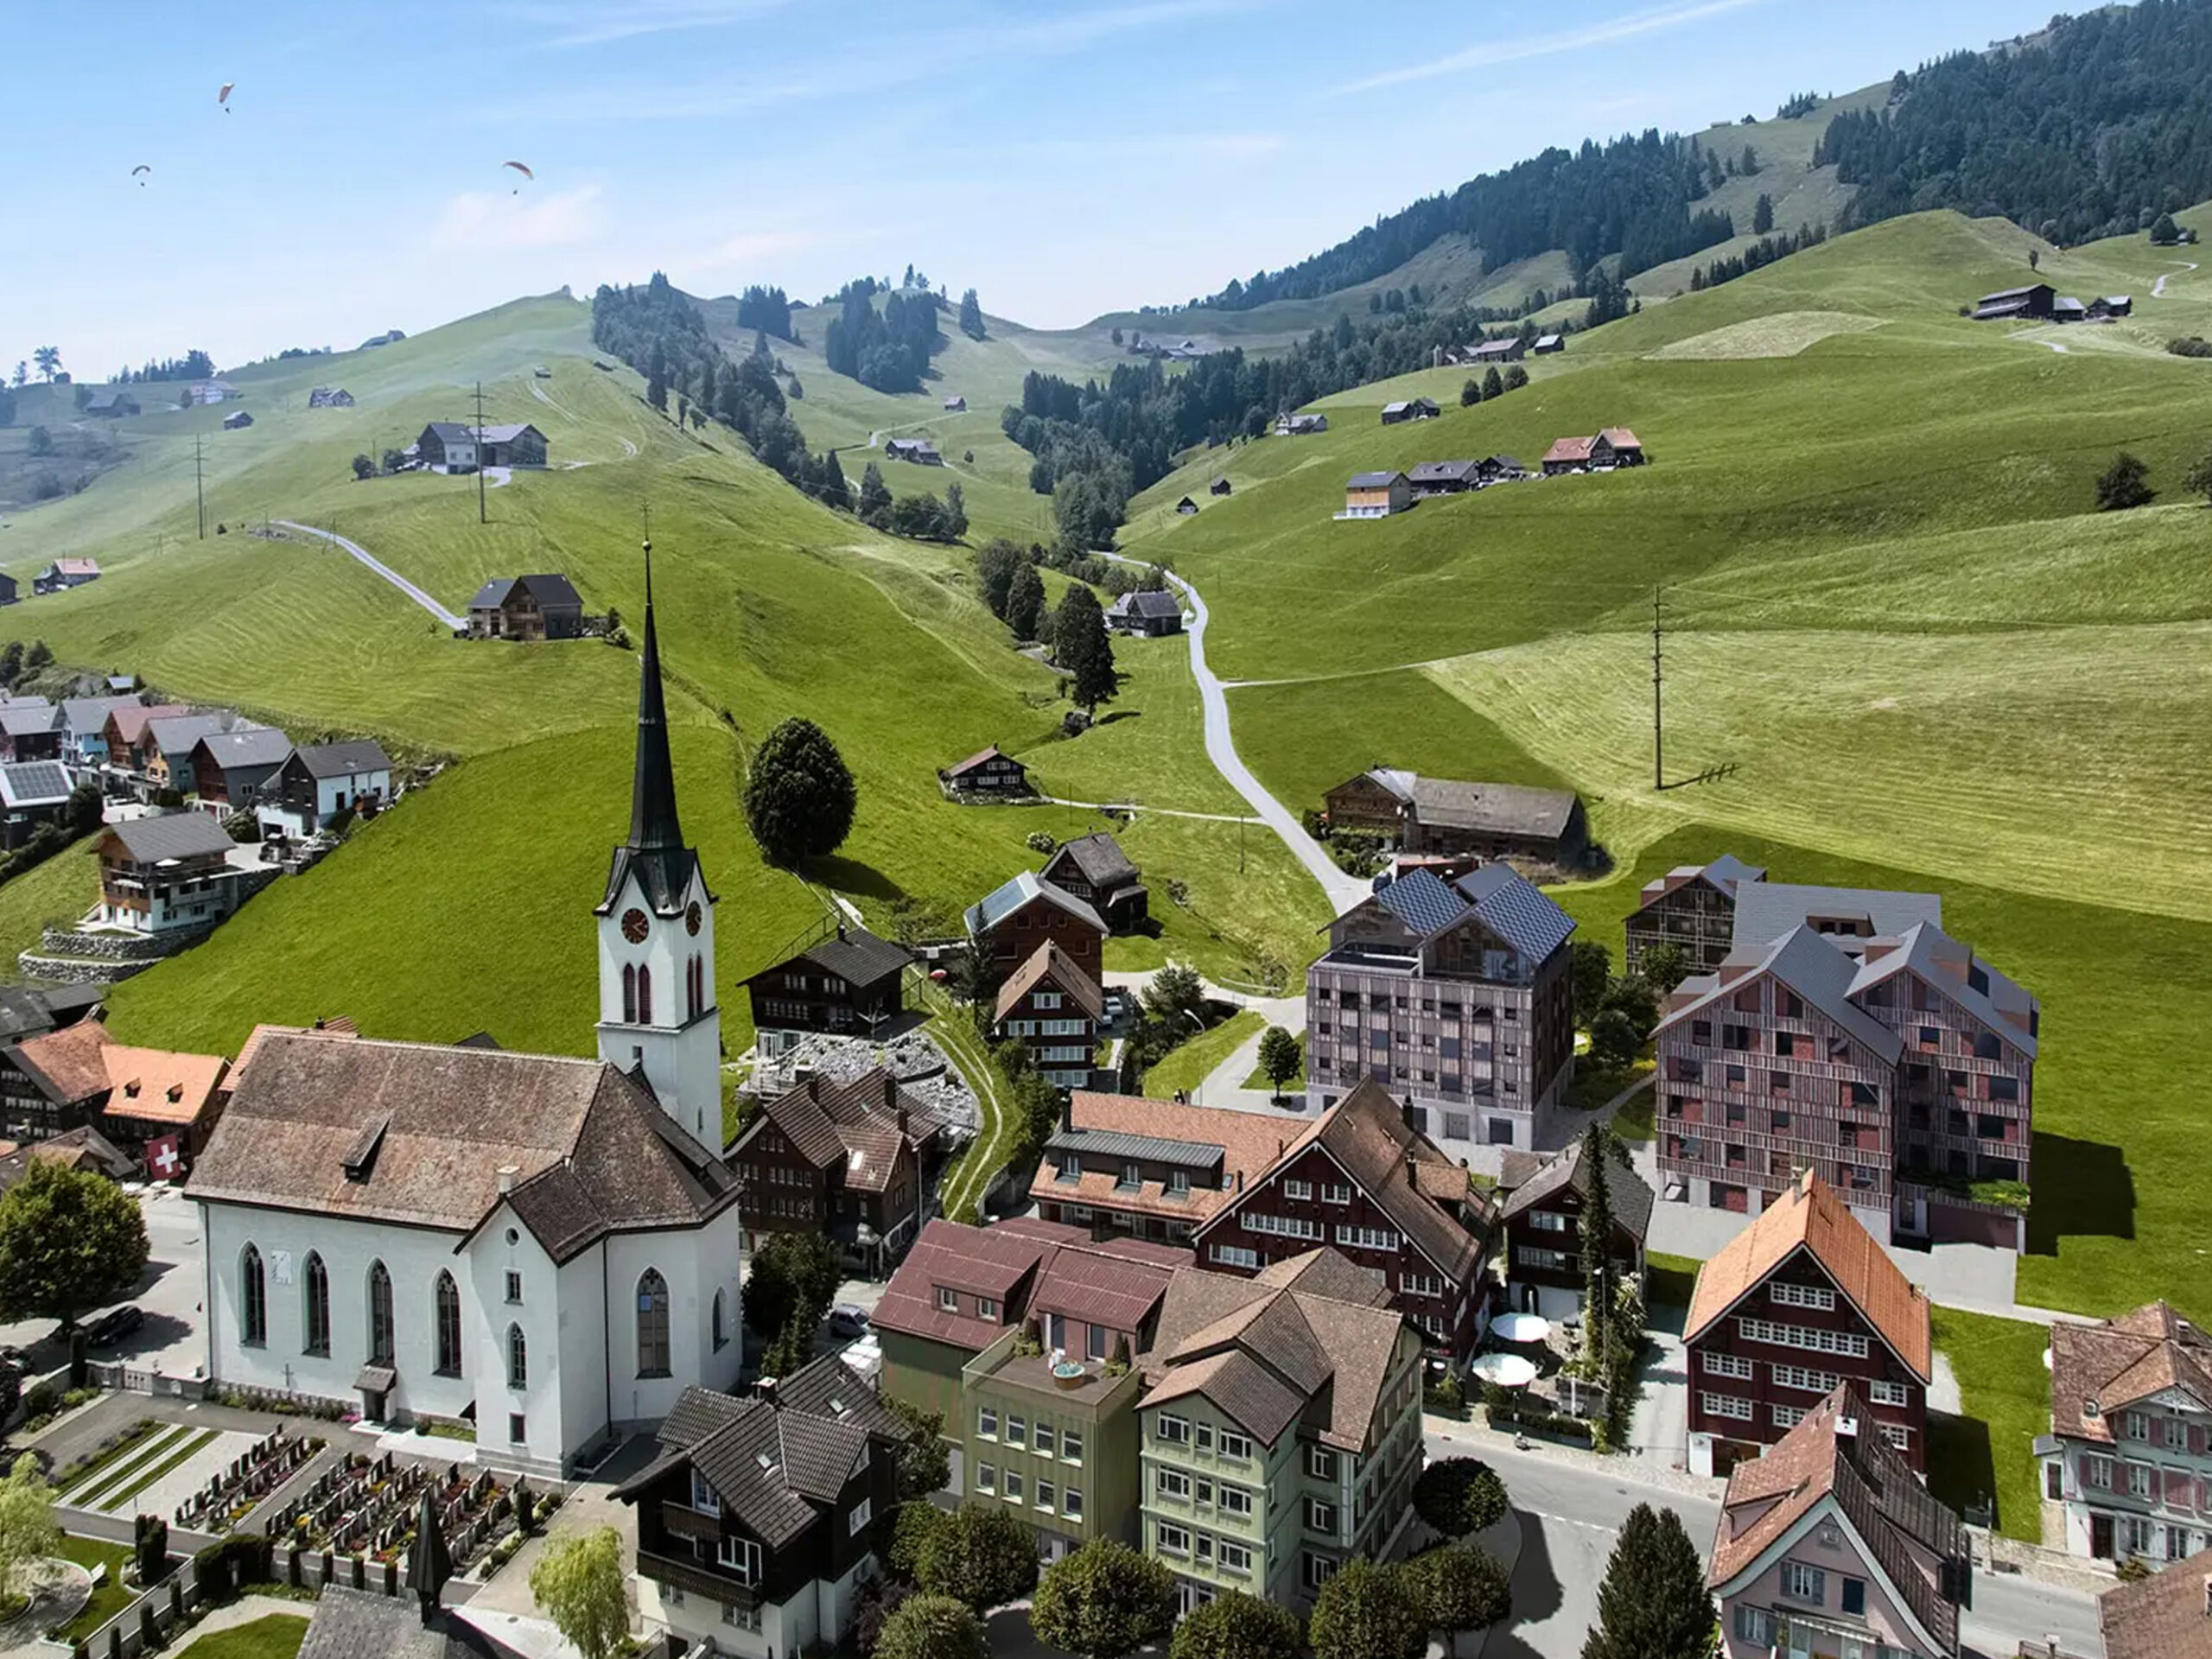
1629	1195
1049	963
157	1085
1621	438
1331	1356
993	1261
974	761
337	1026
67	1063
1884	1503
84	1147
1569	449
1811	1217
418	1134
2166	1616
1100	1289
1127	1249
854	1123
2120	1362
131	719
1324	1273
1249	1144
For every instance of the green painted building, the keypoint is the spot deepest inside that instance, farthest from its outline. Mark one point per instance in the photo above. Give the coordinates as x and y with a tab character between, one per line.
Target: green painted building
1056	1441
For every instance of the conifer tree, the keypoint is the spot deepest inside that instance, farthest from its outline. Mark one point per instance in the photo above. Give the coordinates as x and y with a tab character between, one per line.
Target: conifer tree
1653	1603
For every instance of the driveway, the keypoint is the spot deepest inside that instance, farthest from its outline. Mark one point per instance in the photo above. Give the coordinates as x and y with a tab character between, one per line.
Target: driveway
383	569
170	1292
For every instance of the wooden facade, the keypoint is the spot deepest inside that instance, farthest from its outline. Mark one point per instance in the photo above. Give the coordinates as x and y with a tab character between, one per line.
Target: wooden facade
987	774
1694	908
1013	938
1363	803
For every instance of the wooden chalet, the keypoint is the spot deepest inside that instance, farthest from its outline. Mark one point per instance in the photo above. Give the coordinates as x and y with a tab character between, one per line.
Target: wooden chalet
531	608
1052	1008
1006	927
1377	495
1095	869
848	983
1543	1214
1410	409
2036	300
987	772
1151	613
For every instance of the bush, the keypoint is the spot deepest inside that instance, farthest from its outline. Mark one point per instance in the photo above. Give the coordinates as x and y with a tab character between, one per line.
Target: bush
2190	346
2125	484
1458	1497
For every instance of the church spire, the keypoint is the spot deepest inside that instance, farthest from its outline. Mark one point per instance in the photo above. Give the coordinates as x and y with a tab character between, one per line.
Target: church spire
653	826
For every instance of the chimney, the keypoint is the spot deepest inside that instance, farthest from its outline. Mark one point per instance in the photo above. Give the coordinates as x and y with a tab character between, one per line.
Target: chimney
1067	1114
508	1174
1412	1170
890	1092
1408	1111
766	1390
811	1081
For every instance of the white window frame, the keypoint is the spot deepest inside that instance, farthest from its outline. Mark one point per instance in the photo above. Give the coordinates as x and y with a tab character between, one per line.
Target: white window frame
1302	1191
987	1478
704	1499
1235	1500
948	1301
1782	1293
1017	1430
1898	1434
1804	1379
1547	1221
1234	1558
1171	1483
1236	1445
1071	1502
1042	1439
1316	1509
1170	1539
1850	1344
858	1517
1175	1431
1335	1192
1010	1485
1889	1394
1321	1464
986	1307
1728	1406
742	1556
1735	1365
987	1422
1804	1584
1071	1446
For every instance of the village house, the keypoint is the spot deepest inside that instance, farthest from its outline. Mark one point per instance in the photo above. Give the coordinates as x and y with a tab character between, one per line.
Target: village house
210	392
323	780
1048	1417
1499	470
166	874
33	794
78	1150
1006	927
1692	907
455	447
237	422
84	728
956	404
1280	1428
1300	426
1411	409
1499	351
1219	487
64	574
920	451
136	1097
1455	998
850	1161
2166	1616
527	607
230	769
30	729
2067	309
330	397
1052	1008
1377	495
2110	307
1440	816
1846	1031
987	772
166	751
1185	507
1095	869
1152	614
124	742
848	981
758	1519
1549	344
1830	1544
1364	1180
1801	1301
1541	1215
1430	478
1149	1169
111	402
2129	1453
2034	301
1615	447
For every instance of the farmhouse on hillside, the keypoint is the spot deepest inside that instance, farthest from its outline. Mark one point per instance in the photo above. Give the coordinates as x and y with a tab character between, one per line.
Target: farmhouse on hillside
66	573
317	783
32	793
1220	486
112	403
852	1160
237	422
1006	926
1186	506
30	729
330	397
956	404
1549	344
230	769
2109	306
2034	301
7	589
920	451
1300	426
1095	869
210	392
1499	469
1614	447
1438	816
2066	308
1052	1008
987	772
847	982
455	447
1412	408
1431	478
1499	351
166	874
1146	613
527	607
1377	495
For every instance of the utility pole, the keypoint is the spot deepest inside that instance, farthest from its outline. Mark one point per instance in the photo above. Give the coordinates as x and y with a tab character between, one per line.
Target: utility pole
1658	741
479	453
200	487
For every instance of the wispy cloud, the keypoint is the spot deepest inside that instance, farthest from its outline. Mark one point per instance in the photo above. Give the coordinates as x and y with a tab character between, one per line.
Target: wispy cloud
1634	25
483	220
1081	28
597	23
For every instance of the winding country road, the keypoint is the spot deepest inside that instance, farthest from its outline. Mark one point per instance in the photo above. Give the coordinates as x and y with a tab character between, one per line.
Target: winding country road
383	569
2158	288
1343	890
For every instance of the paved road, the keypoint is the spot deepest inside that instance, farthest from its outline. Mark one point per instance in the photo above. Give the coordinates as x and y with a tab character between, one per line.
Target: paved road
1343	890
1571	1514
383	570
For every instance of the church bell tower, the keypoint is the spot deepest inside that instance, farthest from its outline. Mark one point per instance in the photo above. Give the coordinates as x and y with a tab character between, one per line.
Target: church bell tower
657	1007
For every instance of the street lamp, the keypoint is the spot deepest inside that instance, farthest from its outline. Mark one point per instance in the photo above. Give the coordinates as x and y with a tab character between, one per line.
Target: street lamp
1192	1015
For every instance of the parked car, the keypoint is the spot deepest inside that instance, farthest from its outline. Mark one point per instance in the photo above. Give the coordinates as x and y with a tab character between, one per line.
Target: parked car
114	1325
848	1320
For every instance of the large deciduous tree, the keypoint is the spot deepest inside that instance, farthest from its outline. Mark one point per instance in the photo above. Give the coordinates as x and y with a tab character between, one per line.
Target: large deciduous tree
933	1627
1653	1603
1365	1611
70	1240
2125	484
1280	1056
925	1461
27	1532
1103	1600
579	1584
799	795
1589	971
790	1272
1458	1497
1460	1588
1237	1626
983	1556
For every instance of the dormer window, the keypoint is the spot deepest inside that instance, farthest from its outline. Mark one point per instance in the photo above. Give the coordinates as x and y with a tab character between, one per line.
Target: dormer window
948	1301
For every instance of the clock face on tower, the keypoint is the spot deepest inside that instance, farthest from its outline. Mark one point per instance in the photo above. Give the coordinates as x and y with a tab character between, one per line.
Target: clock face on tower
692	918
634	926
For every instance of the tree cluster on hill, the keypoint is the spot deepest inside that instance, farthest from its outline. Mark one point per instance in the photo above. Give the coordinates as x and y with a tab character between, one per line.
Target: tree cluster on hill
768	310
1762	252
972	316
1802	103
1632	197
2091	129
918	518
889	349
192	365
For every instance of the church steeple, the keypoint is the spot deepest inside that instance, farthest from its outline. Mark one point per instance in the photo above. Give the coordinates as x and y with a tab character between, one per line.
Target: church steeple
653	826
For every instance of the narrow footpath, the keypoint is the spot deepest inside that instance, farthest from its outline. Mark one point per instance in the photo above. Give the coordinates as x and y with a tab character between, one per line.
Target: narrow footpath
383	569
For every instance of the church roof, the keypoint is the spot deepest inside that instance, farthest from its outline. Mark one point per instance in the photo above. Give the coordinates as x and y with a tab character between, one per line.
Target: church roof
655	851
418	1135
364	1625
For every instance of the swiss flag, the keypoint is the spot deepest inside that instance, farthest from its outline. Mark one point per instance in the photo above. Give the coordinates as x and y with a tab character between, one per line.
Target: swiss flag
165	1159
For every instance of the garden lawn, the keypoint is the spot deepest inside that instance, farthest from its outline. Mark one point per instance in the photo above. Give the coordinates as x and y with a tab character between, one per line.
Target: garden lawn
1292	1085
2005	1391
110	1595
1184	1067
1669	1280
276	1635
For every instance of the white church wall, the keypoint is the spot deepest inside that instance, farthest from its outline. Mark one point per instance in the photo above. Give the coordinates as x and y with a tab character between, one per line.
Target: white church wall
561	1403
682	1060
694	1262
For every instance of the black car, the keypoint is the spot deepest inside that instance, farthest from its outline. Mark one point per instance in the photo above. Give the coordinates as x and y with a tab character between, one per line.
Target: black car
114	1325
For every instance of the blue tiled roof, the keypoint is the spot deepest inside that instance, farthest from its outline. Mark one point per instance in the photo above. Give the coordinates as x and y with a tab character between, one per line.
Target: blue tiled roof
1422	902
1516	910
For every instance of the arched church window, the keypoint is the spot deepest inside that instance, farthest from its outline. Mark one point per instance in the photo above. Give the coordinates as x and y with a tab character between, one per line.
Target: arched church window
318	1295
722	1331
253	1299
645	996
652	1324
448	1333
380	1348
629	995
517	1358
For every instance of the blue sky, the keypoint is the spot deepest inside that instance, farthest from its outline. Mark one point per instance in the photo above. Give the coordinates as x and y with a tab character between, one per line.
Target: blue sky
1065	159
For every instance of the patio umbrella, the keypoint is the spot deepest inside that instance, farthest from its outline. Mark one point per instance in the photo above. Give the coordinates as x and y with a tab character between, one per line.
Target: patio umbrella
1507	1371
1520	1328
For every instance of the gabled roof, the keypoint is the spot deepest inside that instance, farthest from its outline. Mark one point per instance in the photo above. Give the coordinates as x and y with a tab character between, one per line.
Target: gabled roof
1810	965
1106	1130
157	1084
549	590
33	783
28	716
2122	1362
67	1065
2016	293
1767	910
1049	964
256	746
130	717
1810	1217
1569	449
1099	1288
1148	602
2166	1616
1725	874
853	954
591	1152
978	759
1099	857
83	716
1999	1003
173	835
83	1147
76	567
180	735
988	911
1497	808
854	1123
1629	1194
1621	438
994	1261
1834	1453
349	1623
1428	472
1374	480
341	760
1516	910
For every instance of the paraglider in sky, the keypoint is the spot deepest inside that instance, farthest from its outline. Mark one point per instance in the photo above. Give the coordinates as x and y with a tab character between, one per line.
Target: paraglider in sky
138	172
223	98
524	171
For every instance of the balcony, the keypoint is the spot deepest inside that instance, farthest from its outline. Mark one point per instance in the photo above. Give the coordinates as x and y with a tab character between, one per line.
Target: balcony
695	1577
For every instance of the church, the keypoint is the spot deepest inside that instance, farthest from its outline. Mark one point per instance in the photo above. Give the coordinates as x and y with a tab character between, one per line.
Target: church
542	1247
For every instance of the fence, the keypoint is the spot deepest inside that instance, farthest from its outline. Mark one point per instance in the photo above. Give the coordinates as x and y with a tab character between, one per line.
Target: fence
160	1614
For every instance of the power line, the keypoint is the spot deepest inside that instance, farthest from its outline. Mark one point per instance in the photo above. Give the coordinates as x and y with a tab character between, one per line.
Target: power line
479	453
200	487
1658	741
